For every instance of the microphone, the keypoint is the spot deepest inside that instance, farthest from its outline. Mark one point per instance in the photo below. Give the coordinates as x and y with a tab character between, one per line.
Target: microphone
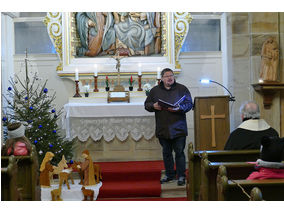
207	81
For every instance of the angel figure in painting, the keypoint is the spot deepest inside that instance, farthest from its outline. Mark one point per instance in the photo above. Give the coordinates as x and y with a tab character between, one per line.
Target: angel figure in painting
269	60
87	168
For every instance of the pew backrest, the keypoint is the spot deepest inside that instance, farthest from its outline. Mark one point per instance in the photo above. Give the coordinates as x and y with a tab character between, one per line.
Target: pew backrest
209	171
237	190
9	190
28	175
194	165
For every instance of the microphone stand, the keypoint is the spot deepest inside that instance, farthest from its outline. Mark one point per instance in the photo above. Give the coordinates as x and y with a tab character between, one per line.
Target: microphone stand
232	98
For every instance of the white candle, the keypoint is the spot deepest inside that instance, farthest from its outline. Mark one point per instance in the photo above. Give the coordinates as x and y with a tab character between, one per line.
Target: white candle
76	75
139	70
96	71
158	73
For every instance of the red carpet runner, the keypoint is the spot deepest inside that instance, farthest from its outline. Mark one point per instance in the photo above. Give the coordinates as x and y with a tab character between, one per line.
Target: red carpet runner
130	179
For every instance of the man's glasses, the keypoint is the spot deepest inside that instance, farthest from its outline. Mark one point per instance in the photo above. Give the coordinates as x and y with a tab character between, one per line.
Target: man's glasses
168	76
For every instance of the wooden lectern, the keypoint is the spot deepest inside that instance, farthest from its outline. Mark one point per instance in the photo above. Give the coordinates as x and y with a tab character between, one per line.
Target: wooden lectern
211	122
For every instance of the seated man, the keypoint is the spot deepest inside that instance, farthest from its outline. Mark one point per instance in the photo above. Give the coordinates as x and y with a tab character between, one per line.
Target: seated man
249	133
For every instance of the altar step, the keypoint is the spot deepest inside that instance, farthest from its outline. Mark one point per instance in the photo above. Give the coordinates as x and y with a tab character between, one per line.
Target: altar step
168	191
172	190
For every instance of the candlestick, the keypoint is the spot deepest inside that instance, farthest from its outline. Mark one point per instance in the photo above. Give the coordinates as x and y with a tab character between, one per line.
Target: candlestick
139	83
96	71
96	84
77	89
139	69
76	75
158	73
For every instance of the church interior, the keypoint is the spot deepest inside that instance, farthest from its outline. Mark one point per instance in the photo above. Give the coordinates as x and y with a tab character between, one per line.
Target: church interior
79	80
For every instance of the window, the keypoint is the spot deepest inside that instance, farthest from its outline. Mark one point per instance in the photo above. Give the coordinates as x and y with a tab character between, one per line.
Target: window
204	34
31	34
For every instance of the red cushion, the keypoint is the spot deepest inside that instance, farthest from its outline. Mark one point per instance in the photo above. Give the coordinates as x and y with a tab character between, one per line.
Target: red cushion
20	149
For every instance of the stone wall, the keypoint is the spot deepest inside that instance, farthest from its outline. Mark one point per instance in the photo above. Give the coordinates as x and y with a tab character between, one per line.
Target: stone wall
246	34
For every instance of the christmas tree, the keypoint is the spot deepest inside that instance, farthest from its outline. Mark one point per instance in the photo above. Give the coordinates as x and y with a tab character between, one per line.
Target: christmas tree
28	101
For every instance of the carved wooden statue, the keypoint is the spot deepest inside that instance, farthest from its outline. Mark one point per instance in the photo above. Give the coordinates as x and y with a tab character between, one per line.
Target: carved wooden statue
57	169
269	60
88	194
56	194
88	168
45	168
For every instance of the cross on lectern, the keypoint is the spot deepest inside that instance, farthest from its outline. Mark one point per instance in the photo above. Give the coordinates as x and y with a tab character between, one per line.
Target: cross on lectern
212	116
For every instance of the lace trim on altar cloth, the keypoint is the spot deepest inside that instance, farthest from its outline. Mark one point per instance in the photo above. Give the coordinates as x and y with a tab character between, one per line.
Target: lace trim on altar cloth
109	128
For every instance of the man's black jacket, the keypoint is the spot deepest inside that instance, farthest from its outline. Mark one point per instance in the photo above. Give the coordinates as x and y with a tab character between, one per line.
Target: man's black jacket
169	125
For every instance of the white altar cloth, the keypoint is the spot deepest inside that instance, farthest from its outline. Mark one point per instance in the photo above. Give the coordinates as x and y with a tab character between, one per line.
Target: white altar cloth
103	110
72	194
84	119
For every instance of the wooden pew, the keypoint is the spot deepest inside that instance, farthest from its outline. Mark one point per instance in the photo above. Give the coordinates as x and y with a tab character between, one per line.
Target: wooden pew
28	175
236	190
194	165
209	170
9	190
255	194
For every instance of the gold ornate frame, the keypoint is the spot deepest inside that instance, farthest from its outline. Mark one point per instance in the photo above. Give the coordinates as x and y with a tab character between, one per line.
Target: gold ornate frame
62	31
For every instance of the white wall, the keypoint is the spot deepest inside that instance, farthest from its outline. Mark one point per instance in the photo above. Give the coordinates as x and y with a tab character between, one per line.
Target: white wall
7	52
45	66
196	66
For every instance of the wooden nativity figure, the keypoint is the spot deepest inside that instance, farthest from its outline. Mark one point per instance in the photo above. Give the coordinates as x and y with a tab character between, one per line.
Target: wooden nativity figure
45	169
17	143
87	168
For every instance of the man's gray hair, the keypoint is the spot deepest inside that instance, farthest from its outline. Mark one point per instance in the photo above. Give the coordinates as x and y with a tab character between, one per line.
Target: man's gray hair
250	110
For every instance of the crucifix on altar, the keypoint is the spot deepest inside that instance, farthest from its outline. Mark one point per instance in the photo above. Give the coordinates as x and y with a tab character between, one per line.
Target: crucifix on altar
119	94
211	122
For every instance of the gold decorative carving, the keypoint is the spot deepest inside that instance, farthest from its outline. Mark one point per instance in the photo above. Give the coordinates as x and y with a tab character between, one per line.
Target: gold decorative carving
53	21
164	20
181	22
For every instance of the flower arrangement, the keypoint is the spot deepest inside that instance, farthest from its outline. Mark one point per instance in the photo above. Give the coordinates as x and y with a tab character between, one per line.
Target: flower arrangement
86	90
147	87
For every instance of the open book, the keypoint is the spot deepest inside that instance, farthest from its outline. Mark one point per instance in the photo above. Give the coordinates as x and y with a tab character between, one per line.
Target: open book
166	104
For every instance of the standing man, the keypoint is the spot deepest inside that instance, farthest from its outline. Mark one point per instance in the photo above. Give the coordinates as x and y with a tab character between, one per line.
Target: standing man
249	133
171	127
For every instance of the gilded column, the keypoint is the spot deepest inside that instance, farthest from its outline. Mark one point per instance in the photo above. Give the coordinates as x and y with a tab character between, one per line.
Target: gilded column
53	21
181	26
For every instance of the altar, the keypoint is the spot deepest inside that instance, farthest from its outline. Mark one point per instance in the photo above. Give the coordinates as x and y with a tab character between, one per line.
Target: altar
111	131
